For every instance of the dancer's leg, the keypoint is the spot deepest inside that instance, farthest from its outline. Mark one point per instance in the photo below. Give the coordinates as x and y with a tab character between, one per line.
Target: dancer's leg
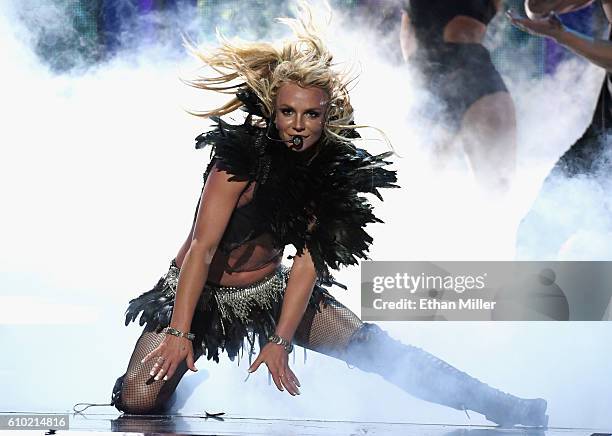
338	332
557	212
136	392
328	330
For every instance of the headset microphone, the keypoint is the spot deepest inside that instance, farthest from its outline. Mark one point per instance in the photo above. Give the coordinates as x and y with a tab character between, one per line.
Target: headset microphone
297	142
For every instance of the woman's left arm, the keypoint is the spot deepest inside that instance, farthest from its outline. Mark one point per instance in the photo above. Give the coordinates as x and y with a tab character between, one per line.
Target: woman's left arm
595	50
299	288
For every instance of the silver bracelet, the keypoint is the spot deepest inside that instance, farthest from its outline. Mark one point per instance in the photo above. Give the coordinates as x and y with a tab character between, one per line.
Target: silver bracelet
174	332
276	339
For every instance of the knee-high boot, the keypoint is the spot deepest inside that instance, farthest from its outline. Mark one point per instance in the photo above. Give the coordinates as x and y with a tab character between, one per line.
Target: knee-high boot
429	378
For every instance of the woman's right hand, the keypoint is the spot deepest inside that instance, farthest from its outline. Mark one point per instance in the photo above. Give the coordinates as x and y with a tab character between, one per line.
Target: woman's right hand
168	356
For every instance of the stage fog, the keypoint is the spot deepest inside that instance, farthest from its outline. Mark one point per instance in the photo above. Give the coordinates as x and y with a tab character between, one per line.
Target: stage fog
100	180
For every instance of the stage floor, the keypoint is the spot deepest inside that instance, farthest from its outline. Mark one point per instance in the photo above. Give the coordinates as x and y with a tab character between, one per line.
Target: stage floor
88	423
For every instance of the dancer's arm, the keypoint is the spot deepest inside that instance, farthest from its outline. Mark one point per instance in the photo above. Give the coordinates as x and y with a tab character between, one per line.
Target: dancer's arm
598	51
180	255
407	40
299	288
219	199
537	9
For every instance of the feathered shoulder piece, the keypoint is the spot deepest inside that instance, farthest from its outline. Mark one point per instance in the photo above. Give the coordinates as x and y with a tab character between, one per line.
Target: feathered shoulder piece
239	149
344	174
310	200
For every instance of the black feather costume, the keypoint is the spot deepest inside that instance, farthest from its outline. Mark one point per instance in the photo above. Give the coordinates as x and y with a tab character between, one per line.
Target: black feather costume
311	200
305	200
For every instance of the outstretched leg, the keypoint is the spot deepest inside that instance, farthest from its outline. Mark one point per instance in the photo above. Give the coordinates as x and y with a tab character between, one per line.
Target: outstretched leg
338	332
328	330
136	392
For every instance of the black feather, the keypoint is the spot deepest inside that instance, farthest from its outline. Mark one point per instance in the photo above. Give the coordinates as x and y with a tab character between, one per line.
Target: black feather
295	190
213	333
310	200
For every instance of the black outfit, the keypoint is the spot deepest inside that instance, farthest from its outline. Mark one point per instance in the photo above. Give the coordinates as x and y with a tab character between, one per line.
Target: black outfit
588	155
310	200
331	225
457	75
429	17
543	230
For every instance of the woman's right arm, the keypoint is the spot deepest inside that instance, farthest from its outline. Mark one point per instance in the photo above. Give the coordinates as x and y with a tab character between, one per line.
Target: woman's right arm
180	255
218	201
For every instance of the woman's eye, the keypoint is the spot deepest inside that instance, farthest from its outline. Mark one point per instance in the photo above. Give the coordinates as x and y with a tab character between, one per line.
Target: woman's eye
313	114
286	111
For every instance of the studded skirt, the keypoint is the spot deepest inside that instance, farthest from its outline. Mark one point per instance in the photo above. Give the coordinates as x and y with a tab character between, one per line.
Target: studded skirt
225	315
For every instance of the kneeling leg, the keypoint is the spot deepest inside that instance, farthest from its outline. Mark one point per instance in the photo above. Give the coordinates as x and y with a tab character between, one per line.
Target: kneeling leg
136	392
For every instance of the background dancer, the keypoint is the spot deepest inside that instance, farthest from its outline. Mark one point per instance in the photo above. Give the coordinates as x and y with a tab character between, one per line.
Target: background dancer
288	175
557	215
444	40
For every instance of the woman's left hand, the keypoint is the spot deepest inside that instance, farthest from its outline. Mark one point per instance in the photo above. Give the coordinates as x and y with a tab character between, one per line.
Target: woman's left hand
276	359
549	26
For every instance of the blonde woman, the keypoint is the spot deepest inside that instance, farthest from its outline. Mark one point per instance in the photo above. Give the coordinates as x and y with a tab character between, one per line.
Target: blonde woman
289	175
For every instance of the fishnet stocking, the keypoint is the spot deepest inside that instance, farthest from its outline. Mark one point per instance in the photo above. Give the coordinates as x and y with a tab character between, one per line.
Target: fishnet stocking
140	393
326	331
329	330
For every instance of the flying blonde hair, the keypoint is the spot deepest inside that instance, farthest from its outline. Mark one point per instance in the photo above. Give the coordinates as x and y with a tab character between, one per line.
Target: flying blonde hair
264	67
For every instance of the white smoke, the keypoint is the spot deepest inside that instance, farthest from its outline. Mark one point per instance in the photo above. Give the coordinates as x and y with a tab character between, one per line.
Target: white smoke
100	182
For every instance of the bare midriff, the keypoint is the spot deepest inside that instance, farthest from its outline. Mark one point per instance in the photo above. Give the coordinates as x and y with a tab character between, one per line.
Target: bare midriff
246	264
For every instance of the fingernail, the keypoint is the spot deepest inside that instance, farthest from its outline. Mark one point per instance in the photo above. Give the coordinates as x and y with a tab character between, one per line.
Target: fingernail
249	370
151	373
165	378
156	377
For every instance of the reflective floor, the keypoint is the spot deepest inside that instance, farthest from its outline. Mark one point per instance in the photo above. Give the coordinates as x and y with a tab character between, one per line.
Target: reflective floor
85	423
